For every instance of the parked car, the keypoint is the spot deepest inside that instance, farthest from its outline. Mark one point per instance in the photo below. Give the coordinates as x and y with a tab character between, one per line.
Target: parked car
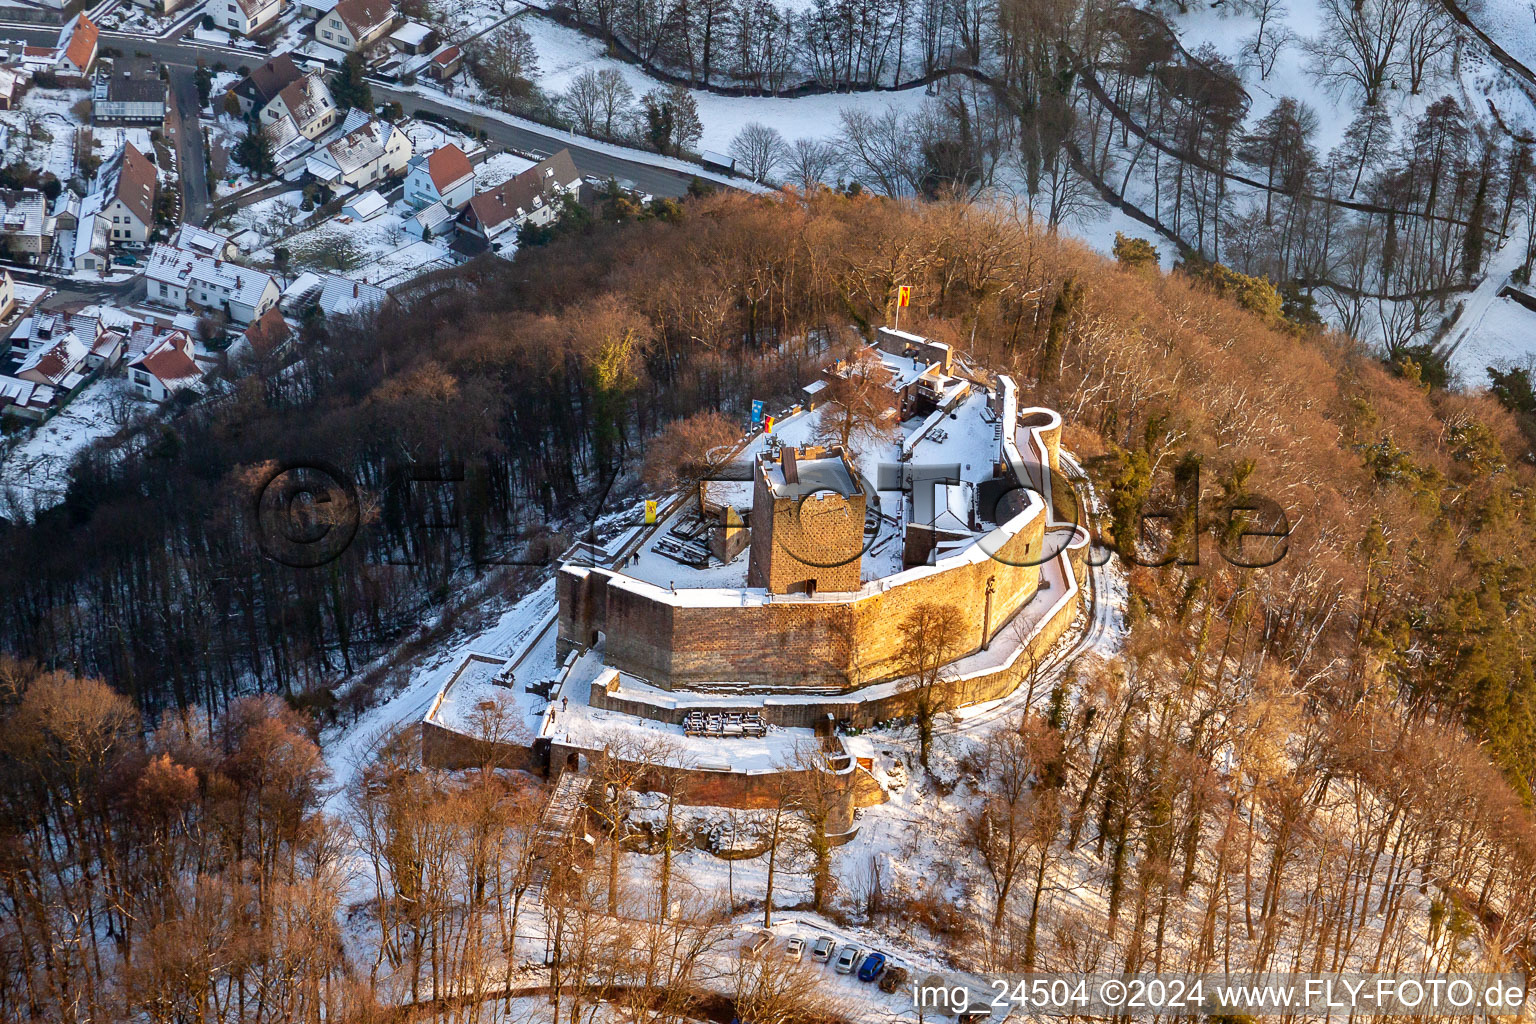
755	942
795	951
894	977
870	969
822	950
847	959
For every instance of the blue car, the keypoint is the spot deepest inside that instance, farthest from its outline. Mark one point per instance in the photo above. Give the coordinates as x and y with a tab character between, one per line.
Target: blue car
870	969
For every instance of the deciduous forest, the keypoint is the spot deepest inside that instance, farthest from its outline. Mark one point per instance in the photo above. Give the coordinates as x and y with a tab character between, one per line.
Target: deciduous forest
1301	767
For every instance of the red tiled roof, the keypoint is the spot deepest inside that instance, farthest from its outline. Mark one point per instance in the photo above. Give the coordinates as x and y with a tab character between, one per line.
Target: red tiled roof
169	360
361	16
267	331
446	56
82	42
448	165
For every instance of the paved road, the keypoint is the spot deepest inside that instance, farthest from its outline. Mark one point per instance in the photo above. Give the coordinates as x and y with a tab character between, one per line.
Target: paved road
181	54
655	180
189	145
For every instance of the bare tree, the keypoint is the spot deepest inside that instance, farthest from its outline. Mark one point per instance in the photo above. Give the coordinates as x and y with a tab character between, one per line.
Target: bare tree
1361	44
879	150
759	149
932	636
810	162
860	408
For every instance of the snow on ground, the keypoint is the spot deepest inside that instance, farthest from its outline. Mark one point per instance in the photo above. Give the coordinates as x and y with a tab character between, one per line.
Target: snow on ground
347	749
565	53
1492	329
383	251
34	469
41	131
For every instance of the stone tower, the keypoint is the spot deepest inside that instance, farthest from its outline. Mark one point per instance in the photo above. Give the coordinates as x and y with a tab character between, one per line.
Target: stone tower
807	522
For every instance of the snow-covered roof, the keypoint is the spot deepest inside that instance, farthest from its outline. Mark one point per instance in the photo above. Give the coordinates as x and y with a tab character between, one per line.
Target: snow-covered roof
23	212
201	241
434	216
342	296
57	362
182	267
307	99
365	205
358	148
412	33
170	360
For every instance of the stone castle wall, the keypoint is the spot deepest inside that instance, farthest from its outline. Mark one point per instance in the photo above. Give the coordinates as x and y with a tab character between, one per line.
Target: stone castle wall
836	641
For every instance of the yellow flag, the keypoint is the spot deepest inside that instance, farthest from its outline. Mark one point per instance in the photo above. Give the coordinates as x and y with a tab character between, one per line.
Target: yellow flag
650	512
904	296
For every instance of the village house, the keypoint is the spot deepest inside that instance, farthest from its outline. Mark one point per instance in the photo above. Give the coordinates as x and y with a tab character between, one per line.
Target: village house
355	25
60	365
78	46
261	86
128	186
41	330
340	296
247	17
183	279
26	227
269	335
307	103
7	294
129	90
366	153
444	175
532	197
166	365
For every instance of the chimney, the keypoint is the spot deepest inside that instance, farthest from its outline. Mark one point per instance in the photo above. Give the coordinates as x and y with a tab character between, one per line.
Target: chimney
791	467
354	289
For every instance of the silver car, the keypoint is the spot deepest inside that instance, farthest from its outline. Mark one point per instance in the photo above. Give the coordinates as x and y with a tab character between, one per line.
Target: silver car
847	960
822	950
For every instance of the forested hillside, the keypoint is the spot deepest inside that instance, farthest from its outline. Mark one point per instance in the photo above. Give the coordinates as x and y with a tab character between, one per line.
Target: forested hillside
1303	760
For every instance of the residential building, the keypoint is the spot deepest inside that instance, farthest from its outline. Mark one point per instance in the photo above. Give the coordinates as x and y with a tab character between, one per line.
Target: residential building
444	175
261	86
532	197
435	221
340	296
93	233
26	228
183	279
355	25
247	17
269	335
129	186
7	294
165	366
307	102
42	330
365	154
78	44
61	364
129	91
